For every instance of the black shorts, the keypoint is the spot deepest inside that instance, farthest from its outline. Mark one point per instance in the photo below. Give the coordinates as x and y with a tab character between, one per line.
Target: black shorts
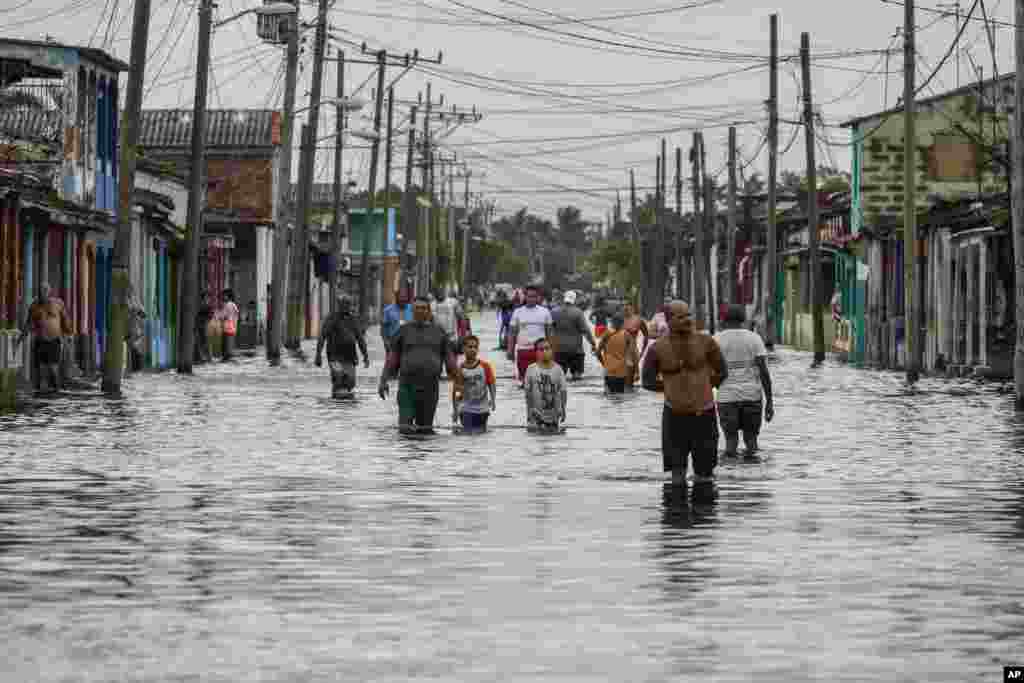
571	362
694	436
615	385
740	416
46	352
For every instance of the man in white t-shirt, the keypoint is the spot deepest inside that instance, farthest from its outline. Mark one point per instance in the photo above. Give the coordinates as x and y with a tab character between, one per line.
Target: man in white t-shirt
529	323
740	396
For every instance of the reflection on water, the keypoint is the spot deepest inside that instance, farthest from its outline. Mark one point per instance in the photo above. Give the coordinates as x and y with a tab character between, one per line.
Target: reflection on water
245	518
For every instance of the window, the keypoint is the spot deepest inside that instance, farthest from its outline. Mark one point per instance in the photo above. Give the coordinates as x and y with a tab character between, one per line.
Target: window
953	158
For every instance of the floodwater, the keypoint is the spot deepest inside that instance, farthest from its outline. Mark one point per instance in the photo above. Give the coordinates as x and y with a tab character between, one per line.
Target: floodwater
239	525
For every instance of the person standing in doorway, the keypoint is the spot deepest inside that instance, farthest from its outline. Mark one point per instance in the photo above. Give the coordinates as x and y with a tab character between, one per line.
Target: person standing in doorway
475	401
228	316
530	323
48	322
342	333
617	353
691	366
203	317
748	389
570	328
546	390
416	358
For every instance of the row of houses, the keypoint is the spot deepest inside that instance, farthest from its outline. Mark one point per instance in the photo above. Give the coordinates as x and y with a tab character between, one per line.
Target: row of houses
59	182
963	216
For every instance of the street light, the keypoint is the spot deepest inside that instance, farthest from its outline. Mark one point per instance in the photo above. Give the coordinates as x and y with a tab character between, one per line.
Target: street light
370	135
273	9
349	104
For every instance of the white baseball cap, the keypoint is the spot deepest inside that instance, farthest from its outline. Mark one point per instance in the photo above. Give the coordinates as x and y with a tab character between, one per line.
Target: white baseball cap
570	297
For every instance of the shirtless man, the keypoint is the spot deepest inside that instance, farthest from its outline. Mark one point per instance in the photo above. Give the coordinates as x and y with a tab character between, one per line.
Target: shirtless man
48	321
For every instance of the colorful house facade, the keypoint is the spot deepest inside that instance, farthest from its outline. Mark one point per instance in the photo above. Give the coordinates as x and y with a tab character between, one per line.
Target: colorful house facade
243	148
58	190
961	159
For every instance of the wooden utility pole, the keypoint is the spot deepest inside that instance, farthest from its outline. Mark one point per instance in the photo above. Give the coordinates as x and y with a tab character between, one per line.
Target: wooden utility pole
730	238
815	289
410	210
710	217
463	284
371	202
387	161
113	359
196	195
661	249
1017	196
912	299
679	223
339	132
299	287
771	267
699	269
423	245
279	278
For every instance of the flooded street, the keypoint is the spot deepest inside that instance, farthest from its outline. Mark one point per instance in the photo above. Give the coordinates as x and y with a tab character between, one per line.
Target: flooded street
239	525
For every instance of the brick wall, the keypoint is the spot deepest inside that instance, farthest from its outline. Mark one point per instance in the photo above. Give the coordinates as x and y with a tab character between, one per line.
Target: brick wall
939	157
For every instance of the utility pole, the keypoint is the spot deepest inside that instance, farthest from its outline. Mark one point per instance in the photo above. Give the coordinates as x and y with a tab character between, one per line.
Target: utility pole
710	216
364	268
385	288
679	223
817	323
912	300
771	253
113	359
423	246
410	210
196	195
299	288
1017	196
339	131
698	228
279	280
464	283
730	239
662	243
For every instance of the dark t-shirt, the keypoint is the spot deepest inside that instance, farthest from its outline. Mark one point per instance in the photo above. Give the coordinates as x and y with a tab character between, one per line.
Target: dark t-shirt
342	334
421	349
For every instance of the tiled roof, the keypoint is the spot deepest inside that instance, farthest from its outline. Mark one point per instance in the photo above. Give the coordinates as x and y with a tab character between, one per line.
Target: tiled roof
28	123
161	128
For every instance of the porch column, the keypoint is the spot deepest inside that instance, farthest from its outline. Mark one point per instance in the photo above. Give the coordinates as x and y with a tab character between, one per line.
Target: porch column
946	279
958	302
972	304
983	301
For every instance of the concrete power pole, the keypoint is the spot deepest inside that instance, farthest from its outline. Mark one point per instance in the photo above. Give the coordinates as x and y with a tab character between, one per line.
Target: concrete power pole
815	289
771	267
410	212
339	145
1017	190
697	305
196	195
912	299
279	279
679	223
730	238
113	359
299	288
371	204
464	283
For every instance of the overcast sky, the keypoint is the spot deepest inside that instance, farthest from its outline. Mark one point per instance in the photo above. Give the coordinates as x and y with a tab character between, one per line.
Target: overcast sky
573	94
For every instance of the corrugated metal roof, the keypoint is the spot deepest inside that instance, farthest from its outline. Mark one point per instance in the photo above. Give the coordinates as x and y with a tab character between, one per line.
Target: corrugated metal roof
224	128
95	55
29	123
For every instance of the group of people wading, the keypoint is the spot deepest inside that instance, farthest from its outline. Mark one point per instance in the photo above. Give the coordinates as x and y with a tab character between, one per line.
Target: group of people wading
670	354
